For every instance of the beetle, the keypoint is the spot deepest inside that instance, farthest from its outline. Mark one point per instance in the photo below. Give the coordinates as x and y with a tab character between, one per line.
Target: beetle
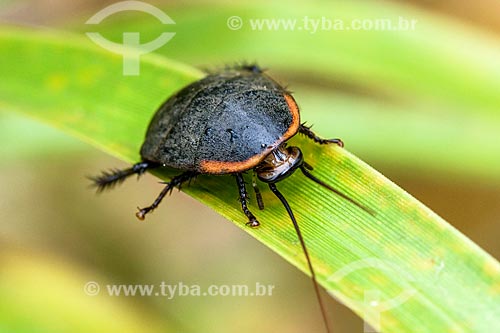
232	121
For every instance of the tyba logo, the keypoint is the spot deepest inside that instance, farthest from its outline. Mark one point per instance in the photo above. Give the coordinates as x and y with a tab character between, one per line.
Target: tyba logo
131	58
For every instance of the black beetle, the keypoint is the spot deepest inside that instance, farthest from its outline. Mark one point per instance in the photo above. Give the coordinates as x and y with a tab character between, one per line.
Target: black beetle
232	121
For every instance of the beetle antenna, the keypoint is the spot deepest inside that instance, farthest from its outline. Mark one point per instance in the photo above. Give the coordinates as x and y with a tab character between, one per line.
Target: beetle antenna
305	170
280	196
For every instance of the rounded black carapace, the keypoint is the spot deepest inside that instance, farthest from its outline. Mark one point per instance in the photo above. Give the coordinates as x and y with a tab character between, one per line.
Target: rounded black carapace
230	122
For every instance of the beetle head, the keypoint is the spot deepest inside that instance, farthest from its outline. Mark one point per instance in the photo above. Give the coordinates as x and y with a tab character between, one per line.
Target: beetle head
279	164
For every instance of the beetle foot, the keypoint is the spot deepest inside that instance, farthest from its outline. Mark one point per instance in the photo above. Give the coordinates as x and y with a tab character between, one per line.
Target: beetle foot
141	214
253	223
338	142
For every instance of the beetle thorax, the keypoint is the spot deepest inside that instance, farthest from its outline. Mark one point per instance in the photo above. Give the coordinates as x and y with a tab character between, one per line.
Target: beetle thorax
279	164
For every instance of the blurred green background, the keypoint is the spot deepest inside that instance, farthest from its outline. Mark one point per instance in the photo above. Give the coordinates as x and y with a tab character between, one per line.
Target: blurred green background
420	106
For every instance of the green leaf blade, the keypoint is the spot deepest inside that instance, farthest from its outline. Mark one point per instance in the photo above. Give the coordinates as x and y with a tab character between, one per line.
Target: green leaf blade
74	85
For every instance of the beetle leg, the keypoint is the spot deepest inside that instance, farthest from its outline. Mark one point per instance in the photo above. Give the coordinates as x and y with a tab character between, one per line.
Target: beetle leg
306	130
176	181
258	196
108	179
252	220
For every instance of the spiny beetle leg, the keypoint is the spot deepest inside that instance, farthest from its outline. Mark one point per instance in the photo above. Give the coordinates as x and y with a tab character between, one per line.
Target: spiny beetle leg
252	220
306	130
256	190
108	179
176	181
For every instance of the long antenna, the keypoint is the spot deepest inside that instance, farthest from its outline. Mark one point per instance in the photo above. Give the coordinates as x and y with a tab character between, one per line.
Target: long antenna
304	168
304	248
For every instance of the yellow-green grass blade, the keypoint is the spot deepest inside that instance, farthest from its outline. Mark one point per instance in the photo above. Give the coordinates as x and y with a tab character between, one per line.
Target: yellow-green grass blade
452	285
